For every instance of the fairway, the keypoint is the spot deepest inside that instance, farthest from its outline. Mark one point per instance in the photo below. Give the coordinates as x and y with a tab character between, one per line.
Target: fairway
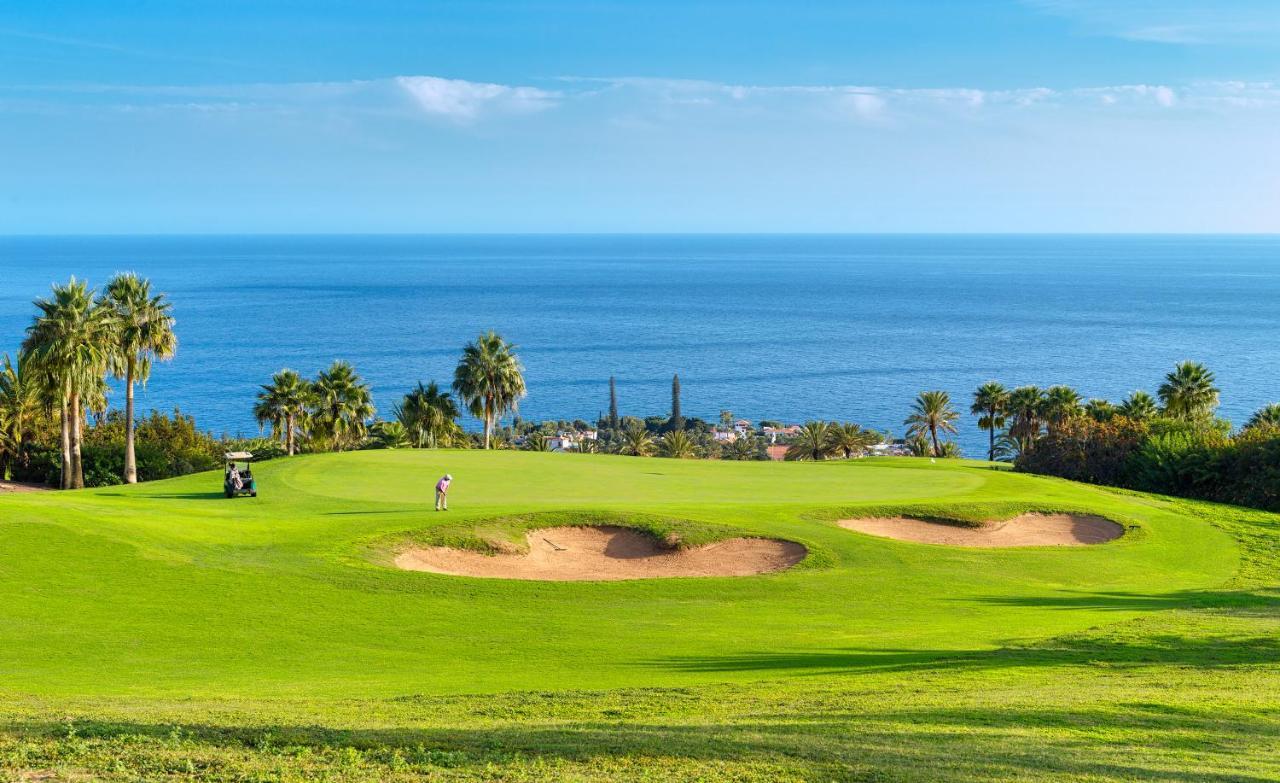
168	589
163	632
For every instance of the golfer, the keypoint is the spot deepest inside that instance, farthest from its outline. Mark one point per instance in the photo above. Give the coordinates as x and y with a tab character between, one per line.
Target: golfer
442	492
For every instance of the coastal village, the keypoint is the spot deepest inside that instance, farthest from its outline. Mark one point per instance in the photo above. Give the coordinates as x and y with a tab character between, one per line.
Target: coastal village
778	437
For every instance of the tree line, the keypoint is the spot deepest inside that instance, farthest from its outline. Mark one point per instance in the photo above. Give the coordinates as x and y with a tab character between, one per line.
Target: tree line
335	411
54	418
1171	442
77	339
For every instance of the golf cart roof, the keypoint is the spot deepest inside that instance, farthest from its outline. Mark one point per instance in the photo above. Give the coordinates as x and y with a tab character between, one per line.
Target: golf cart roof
242	456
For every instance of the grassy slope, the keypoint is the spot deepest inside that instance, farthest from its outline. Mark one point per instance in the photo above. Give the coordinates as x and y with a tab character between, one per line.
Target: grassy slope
123	603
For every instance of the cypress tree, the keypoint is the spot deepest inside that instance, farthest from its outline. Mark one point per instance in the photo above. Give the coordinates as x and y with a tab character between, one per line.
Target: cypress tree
613	404
677	420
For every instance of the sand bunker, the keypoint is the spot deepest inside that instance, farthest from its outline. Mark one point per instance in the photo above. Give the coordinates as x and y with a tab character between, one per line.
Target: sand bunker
18	486
1023	530
607	553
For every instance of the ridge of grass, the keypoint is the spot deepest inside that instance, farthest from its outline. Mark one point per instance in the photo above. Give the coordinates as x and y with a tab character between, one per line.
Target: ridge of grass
506	533
969	515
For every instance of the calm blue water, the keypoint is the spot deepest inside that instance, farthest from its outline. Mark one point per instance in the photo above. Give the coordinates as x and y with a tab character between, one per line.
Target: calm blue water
787	327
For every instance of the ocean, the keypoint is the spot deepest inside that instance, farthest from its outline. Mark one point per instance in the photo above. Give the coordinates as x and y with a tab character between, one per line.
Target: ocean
767	326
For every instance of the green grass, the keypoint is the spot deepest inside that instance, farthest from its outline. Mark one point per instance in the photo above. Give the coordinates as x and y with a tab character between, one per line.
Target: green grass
161	631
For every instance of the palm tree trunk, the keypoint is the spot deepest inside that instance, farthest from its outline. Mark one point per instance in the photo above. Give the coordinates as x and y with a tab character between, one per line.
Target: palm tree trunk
288	434
130	461
488	422
991	431
933	433
65	443
77	464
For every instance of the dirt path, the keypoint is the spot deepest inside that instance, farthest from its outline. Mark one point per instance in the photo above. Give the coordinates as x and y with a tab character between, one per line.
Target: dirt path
607	553
19	486
1023	530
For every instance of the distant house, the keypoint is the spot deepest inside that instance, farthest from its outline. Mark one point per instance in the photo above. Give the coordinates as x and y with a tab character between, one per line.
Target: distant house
724	436
742	426
562	442
773	433
778	452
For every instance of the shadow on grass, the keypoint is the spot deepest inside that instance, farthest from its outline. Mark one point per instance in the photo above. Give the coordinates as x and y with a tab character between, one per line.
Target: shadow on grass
424	509
1126	741
215	495
1150	649
1215	640
1266	601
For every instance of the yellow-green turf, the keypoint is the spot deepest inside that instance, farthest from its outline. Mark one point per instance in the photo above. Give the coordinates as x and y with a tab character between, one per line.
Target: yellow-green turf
144	627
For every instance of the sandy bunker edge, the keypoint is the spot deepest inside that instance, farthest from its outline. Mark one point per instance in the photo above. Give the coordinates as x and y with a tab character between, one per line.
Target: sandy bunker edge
1029	529
606	553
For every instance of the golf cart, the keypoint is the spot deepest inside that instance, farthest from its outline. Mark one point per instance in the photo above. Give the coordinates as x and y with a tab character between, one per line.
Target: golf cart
237	476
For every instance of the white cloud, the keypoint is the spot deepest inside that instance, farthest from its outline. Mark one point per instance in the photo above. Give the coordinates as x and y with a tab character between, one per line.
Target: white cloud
664	101
1186	22
464	101
865	104
1136	94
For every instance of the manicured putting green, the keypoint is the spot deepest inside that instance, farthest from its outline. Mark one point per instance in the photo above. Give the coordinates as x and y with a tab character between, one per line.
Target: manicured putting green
169	589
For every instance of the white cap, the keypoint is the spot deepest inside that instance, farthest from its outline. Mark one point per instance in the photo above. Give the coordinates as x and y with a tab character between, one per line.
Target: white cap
448	477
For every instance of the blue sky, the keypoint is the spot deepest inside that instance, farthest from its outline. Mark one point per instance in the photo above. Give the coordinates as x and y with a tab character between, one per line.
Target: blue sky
991	115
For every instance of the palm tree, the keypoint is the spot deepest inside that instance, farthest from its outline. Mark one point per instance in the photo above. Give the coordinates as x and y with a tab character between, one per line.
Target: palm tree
283	404
636	442
932	413
950	450
677	445
1008	448
489	379
588	446
20	404
918	446
144	334
70	346
1268	416
392	434
342	406
812	442
849	439
1100	410
741	448
1188	392
1139	406
537	442
1060	404
1025	406
991	406
429	416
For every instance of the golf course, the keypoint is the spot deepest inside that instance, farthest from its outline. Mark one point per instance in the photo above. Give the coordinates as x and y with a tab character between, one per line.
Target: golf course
162	631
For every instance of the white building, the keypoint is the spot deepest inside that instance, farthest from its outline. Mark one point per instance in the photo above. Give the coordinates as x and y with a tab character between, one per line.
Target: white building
561	442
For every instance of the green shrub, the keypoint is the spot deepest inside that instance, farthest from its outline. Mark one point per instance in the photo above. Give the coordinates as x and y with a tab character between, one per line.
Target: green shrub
1196	459
1175	463
1086	449
39	463
262	449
